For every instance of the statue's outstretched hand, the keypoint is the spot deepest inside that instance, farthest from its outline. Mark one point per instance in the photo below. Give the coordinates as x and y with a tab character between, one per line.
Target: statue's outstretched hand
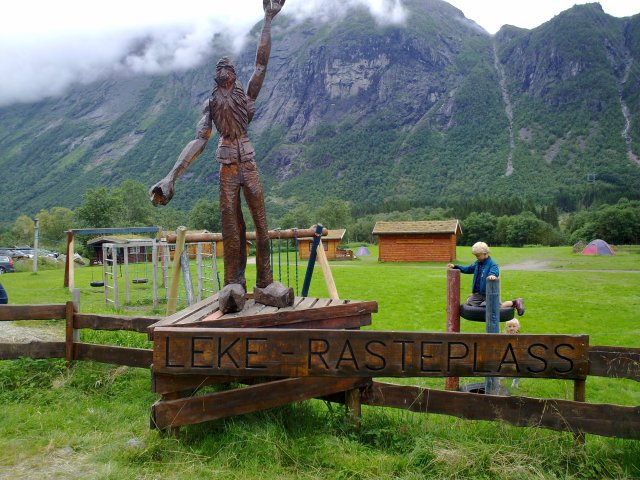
272	7
161	192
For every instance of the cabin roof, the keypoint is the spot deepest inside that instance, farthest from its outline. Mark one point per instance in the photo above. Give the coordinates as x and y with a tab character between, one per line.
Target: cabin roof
418	227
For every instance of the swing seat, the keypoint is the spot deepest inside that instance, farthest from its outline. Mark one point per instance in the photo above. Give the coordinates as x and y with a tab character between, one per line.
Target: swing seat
140	280
477	314
97	284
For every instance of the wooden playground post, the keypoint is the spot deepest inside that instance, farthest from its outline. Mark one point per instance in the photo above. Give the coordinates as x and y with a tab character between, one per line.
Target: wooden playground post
172	300
492	320
186	276
453	316
68	267
326	271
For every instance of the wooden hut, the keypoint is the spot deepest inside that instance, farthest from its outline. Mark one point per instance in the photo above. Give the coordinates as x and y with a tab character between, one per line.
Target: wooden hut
330	244
136	254
425	241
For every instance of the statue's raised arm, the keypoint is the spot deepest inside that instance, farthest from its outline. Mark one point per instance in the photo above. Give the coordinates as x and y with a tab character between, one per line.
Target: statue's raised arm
162	192
271	9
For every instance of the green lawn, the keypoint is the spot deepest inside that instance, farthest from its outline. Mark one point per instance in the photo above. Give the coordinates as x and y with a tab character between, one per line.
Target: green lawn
60	424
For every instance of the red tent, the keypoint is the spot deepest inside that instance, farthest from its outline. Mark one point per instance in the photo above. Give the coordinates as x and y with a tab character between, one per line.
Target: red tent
597	247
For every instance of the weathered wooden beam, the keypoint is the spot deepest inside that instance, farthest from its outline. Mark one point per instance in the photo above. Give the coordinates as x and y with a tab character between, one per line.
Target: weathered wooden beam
203	308
563	415
130	357
164	383
356	353
188	411
13	351
614	362
286	316
32	312
273	234
96	321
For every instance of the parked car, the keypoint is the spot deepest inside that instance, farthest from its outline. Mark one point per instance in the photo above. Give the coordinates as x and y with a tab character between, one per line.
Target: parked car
13	253
6	264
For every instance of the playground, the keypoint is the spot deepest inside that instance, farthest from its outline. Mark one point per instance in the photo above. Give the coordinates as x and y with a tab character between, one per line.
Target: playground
410	297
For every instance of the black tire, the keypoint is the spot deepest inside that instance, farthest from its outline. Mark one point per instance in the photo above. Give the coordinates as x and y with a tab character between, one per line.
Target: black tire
477	314
2	270
97	284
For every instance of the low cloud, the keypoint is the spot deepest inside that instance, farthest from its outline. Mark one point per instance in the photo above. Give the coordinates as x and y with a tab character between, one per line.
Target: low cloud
40	64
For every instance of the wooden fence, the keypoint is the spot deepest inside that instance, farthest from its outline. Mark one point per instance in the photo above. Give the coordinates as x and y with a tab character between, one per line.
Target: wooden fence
575	415
72	348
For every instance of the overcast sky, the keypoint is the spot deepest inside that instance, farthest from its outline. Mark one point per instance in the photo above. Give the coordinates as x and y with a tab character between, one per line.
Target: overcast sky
46	45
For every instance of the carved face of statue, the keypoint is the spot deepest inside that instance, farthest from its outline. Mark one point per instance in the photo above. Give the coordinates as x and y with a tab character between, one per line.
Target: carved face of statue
225	76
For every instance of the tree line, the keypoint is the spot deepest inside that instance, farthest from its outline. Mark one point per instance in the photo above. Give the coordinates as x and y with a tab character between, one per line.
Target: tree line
508	222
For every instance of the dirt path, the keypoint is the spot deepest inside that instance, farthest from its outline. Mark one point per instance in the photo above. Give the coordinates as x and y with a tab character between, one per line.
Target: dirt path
11	333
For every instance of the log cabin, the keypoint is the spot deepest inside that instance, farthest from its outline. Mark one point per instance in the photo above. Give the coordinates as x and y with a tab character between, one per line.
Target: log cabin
421	241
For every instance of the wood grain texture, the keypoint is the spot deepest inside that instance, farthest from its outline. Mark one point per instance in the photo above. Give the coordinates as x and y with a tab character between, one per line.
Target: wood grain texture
344	353
32	312
188	411
13	351
564	415
614	362
96	321
130	357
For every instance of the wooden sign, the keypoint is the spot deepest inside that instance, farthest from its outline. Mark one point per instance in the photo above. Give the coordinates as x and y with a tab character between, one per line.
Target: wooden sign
356	353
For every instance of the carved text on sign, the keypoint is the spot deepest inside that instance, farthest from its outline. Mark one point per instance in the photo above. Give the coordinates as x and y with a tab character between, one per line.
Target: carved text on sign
336	353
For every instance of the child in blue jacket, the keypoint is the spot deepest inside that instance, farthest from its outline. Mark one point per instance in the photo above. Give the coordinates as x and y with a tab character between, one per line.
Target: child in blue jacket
485	269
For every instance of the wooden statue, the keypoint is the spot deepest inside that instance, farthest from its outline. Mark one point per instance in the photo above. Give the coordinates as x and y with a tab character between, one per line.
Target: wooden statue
231	109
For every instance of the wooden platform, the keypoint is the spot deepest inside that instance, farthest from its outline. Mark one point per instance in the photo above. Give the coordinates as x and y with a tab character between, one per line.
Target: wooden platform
182	404
306	312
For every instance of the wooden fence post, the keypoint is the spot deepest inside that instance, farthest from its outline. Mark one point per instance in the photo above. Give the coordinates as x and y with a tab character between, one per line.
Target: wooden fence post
354	406
453	316
579	395
71	334
492	320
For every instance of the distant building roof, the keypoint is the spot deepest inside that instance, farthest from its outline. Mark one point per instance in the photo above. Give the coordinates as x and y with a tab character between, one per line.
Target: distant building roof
331	235
428	226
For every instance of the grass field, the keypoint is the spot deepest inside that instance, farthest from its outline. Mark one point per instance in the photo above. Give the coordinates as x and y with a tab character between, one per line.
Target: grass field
92	422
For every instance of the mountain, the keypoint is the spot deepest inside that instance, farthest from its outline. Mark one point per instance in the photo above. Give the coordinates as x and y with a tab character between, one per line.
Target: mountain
430	110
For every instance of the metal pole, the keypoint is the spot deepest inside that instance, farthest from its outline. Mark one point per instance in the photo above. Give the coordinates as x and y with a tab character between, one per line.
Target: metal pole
492	319
35	246
453	316
312	261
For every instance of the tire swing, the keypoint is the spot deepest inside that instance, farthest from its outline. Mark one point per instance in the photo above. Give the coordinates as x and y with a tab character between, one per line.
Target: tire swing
477	314
96	283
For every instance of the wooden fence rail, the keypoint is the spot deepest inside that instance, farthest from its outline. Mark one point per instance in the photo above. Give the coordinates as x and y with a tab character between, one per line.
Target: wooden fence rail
563	415
72	349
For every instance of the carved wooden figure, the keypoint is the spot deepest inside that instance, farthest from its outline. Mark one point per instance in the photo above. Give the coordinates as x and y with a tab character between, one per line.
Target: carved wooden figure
231	109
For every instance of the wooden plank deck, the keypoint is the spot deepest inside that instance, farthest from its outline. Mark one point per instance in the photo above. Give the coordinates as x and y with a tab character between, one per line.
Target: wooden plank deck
306	312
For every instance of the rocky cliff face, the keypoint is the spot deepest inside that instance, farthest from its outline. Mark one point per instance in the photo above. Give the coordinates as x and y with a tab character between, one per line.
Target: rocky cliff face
430	109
